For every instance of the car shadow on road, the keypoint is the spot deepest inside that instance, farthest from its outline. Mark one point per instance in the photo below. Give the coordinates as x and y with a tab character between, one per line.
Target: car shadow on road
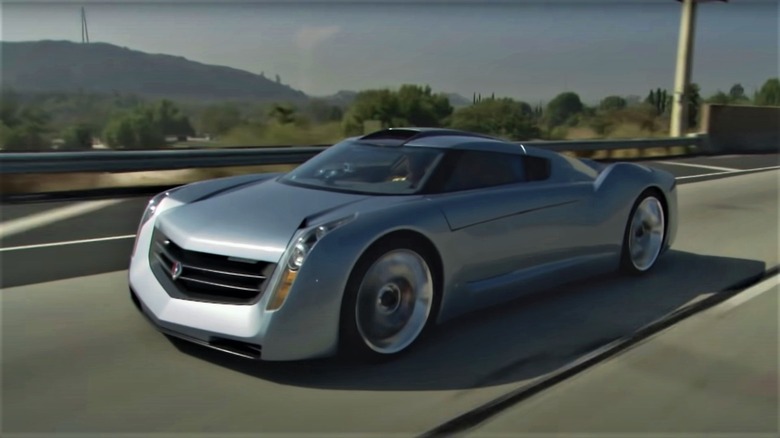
518	341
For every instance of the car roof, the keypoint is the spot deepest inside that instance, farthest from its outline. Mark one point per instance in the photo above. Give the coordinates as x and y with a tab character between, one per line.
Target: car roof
439	138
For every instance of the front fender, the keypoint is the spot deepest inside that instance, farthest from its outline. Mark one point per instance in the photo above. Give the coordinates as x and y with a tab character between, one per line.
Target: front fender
312	310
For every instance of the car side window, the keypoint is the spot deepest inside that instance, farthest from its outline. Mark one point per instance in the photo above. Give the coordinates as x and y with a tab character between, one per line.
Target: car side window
476	169
536	168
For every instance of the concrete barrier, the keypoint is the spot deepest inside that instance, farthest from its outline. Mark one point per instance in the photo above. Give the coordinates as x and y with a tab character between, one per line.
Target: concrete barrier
736	129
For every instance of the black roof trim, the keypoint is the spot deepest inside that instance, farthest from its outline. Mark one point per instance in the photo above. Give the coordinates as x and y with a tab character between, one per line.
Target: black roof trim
401	136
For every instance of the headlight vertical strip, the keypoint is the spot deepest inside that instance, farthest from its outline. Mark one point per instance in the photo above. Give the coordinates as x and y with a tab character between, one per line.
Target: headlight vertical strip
295	257
149	212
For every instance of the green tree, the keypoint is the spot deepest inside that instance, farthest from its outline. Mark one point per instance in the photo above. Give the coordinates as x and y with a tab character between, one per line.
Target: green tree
612	103
78	137
9	109
769	93
220	119
24	127
419	106
138	129
380	105
737	93
25	136
283	114
694	101
503	117
563	107
410	105
171	121
651	98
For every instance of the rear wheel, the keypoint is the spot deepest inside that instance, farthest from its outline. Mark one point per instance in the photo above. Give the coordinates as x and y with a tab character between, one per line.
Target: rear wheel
389	301
644	236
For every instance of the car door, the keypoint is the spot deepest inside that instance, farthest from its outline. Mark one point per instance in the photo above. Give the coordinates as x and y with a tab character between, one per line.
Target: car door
511	223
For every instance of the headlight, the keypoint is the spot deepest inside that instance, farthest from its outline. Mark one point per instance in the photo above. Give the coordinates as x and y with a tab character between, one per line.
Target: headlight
149	211
297	256
151	208
306	242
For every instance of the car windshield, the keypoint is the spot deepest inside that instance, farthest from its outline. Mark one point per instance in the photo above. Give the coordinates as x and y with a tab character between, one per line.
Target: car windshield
362	168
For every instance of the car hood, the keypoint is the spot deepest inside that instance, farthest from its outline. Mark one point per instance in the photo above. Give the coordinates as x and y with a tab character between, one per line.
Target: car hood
254	221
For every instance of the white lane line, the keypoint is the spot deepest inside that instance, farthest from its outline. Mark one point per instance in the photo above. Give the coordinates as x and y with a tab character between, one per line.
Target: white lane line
71	242
747	295
729	173
699	166
47	217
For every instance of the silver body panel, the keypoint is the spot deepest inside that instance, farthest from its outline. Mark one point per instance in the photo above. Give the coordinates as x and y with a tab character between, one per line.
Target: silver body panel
495	244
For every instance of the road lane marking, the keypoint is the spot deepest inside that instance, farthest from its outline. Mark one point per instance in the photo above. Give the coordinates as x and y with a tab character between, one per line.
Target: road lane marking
700	166
47	217
758	169
70	242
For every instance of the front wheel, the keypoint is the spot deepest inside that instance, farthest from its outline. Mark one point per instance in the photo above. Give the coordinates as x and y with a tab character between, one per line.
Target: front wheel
388	303
644	236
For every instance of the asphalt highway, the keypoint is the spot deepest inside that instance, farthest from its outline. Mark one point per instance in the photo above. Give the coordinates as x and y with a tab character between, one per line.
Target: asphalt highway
77	358
715	373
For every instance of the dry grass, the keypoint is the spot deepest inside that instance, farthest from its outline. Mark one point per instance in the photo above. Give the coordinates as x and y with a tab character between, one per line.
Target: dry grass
37	183
40	183
581	133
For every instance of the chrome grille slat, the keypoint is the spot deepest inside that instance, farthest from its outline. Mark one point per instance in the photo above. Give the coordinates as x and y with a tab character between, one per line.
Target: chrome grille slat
186	278
164	250
213	271
207	277
216	271
161	260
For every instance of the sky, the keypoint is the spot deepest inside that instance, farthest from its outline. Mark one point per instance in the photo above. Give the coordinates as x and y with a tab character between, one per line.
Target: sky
530	50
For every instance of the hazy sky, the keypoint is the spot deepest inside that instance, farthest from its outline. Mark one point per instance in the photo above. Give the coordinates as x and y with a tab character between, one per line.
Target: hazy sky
525	49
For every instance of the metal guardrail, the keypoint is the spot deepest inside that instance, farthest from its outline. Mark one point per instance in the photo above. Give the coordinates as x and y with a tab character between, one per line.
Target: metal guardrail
114	161
698	140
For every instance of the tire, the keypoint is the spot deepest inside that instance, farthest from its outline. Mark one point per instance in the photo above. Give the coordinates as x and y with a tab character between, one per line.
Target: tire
406	301
645	233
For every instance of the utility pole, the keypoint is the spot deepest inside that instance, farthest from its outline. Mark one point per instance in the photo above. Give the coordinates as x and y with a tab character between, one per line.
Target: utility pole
84	29
682	78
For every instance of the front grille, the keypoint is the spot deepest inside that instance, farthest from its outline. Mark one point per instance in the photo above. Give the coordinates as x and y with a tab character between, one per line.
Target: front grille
207	277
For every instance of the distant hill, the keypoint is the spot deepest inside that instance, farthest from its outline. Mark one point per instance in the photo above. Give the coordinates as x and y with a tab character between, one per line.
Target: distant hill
457	100
63	66
343	98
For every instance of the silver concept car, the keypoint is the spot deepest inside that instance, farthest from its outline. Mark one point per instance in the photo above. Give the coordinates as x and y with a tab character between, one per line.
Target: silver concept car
368	244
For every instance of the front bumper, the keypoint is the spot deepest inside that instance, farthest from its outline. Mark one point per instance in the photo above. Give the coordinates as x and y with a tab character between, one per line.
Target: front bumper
305	327
242	349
